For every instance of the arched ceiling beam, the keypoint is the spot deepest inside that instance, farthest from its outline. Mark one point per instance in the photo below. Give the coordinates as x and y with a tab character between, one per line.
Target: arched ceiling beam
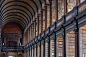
20	3
34	4
18	7
16	18
13	21
16	10
37	5
40	4
19	21
14	6
17	13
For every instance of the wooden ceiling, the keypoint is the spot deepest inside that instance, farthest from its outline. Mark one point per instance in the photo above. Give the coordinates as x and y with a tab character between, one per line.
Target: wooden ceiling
19	11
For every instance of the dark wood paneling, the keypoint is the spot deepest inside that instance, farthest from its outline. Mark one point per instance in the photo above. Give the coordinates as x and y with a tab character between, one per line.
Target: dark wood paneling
12	28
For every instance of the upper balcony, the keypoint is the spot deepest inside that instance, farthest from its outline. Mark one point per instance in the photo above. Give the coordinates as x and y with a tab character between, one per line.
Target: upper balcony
12	48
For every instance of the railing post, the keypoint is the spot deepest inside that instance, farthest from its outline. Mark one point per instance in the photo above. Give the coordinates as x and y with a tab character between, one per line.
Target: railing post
16	54
6	54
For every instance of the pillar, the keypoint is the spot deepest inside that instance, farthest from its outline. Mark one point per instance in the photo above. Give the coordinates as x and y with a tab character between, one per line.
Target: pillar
50	13
19	41
77	40
76	43
64	43
56	10
65	7
0	30
41	21
5	41
6	54
16	54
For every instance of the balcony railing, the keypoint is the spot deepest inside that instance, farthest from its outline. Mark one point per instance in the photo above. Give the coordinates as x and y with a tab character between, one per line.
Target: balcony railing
8	35
14	49
77	11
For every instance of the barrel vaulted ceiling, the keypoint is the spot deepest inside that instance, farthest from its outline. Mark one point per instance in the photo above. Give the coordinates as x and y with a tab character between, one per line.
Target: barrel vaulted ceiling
19	11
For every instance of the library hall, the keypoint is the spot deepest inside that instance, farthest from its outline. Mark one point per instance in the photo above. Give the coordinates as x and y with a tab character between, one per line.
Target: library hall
42	28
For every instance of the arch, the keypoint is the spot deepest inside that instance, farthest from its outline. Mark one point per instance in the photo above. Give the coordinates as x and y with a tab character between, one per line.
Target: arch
18	2
18	13
35	5
16	10
40	3
3	55
17	16
16	20
14	5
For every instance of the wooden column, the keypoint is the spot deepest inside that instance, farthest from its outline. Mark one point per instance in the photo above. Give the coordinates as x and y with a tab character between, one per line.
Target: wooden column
49	48
18	41
45	17
33	50
29	51
36	49
64	43
0	31
56	10
6	54
50	13
29	34
24	39
65	7
31	31
77	40
76	43
16	54
35	28
5	41
42	21
38	25
40	48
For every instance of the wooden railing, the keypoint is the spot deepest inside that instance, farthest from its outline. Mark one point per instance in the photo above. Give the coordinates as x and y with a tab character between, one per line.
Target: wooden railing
77	11
9	35
12	49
